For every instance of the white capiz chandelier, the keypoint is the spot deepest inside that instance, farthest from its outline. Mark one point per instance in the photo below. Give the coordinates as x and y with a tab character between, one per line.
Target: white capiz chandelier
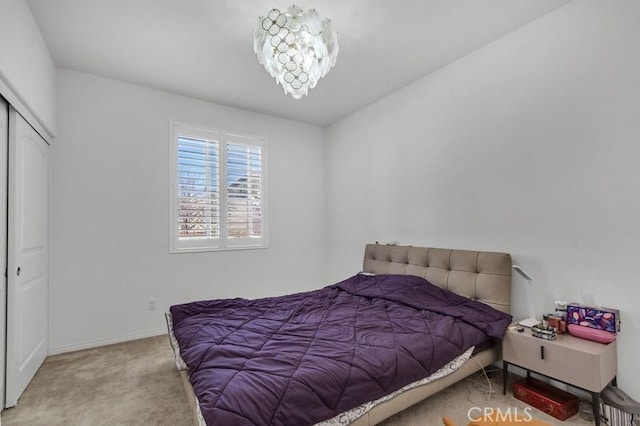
296	48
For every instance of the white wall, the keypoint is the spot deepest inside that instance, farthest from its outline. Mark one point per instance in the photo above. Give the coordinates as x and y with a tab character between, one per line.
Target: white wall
109	208
27	72
530	145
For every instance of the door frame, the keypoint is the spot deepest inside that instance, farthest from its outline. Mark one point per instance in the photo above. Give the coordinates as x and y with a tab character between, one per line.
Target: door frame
4	162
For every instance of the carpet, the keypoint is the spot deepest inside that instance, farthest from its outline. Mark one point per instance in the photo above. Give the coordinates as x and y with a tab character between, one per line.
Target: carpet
131	383
136	383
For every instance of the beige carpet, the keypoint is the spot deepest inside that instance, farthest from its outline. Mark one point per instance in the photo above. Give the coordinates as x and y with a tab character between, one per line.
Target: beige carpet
136	383
132	383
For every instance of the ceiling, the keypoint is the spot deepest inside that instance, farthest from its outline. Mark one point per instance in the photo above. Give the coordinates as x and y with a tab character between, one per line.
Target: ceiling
204	48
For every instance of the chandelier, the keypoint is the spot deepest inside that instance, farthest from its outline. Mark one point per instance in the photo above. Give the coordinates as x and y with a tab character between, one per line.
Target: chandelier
296	48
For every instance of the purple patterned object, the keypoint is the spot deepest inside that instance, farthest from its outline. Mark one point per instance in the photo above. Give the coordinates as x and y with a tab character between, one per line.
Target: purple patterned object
598	318
306	357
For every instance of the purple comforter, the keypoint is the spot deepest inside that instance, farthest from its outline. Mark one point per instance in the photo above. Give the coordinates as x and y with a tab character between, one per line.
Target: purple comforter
306	357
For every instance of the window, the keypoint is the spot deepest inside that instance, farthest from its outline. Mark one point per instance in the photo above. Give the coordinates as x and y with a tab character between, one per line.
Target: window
217	190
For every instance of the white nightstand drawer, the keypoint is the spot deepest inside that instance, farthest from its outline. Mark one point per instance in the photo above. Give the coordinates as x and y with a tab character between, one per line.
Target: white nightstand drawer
582	363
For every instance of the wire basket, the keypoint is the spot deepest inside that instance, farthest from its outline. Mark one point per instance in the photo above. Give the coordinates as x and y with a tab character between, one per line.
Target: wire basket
618	409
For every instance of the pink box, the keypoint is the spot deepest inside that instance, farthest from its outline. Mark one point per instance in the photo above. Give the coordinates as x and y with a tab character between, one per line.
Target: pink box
588	333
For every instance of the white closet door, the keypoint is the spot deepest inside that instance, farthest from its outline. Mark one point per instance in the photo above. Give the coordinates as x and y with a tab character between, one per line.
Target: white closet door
28	258
4	141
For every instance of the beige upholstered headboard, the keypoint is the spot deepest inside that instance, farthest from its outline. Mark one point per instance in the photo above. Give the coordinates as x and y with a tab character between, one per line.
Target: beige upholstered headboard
482	275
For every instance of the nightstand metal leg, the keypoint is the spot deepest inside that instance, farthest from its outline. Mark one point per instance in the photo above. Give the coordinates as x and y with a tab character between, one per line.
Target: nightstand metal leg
595	400
505	376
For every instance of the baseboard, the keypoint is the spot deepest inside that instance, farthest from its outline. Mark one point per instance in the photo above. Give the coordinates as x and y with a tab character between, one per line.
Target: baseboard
56	350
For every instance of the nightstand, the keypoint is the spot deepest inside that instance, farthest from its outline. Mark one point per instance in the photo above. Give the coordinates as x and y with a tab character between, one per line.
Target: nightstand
584	364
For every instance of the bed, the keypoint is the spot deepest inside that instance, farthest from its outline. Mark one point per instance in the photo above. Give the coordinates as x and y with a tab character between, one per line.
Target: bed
440	313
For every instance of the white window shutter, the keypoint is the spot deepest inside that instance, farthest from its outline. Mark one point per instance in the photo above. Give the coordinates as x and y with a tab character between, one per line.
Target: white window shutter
198	188
244	191
218	197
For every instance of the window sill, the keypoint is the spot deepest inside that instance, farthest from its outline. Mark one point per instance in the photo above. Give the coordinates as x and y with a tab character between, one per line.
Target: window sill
206	249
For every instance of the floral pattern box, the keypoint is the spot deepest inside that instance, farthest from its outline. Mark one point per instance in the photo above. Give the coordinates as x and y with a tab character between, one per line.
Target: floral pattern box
605	319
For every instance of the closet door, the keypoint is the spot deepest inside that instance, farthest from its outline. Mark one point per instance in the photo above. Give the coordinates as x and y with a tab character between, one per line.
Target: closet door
28	248
4	141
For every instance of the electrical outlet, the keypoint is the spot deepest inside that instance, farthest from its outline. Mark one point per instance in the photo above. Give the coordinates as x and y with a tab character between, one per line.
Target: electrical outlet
151	304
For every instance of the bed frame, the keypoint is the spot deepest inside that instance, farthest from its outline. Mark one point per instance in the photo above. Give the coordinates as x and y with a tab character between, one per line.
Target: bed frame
484	276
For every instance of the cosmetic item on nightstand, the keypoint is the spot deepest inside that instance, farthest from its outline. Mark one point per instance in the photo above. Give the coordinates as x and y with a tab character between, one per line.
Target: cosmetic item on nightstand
593	323
599	318
543	332
561	309
588	333
557	322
